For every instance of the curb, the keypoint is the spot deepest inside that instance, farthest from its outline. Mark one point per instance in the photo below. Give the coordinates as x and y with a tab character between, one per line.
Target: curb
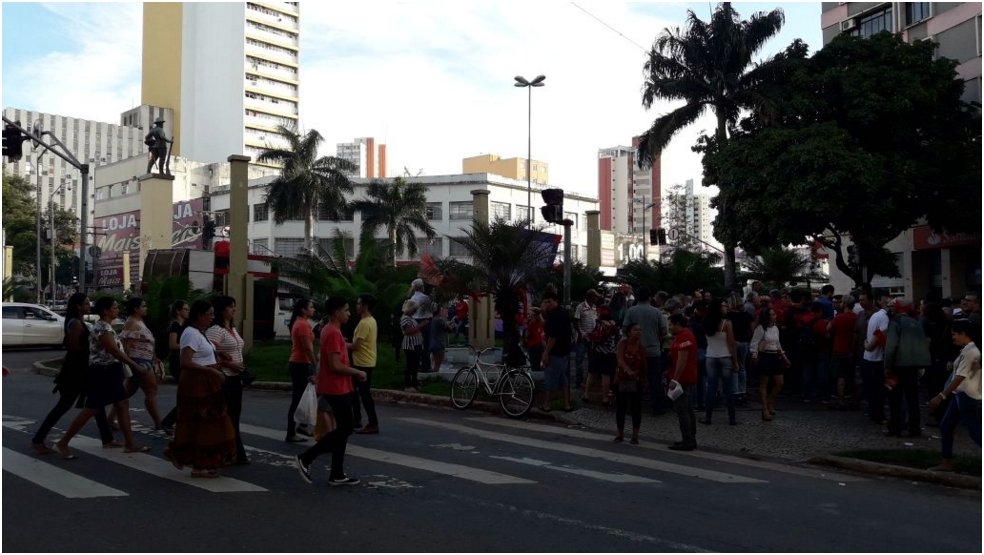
893	471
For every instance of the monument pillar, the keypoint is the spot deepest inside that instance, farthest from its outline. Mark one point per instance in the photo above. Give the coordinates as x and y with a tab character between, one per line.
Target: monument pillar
481	317
594	238
156	215
239	246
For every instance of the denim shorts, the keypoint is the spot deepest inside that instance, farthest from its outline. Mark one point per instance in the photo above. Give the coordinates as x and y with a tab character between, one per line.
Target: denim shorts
555	374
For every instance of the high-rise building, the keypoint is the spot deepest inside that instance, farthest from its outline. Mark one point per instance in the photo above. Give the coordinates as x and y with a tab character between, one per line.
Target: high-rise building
628	196
513	168
230	72
930	262
688	218
368	157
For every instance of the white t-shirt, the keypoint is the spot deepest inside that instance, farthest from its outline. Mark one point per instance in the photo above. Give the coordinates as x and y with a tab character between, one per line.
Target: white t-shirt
878	321
424	308
203	348
969	366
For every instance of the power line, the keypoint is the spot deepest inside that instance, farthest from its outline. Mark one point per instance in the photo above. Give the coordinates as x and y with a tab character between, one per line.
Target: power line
619	33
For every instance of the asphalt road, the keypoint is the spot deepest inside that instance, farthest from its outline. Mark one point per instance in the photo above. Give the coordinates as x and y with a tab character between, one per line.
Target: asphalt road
441	480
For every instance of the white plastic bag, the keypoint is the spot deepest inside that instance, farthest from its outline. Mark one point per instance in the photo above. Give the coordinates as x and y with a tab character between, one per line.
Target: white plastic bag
307	409
675	390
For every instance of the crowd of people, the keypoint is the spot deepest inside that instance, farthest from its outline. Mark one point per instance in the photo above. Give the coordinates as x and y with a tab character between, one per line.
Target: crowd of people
691	353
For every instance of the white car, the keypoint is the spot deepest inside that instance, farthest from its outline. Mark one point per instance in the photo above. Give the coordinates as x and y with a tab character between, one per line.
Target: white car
31	324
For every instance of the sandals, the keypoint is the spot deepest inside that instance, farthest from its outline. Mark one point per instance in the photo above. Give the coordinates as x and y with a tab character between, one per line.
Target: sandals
64	453
204	474
137	449
41	449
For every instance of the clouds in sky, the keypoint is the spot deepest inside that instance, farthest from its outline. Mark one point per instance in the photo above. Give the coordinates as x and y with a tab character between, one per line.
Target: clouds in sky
433	80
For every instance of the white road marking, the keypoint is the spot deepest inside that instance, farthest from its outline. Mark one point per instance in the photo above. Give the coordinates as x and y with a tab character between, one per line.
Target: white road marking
661	466
145	462
438	467
53	478
779	467
604	476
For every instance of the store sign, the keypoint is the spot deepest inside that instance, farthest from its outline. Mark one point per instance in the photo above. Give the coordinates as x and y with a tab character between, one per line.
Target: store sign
924	238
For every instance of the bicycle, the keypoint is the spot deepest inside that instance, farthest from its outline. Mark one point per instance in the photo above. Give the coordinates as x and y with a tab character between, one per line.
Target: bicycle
513	388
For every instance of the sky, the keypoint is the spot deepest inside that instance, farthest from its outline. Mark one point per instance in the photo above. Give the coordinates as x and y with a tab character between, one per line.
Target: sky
433	80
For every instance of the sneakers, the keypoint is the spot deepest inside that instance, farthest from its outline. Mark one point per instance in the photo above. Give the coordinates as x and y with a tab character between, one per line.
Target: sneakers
343	481
303	469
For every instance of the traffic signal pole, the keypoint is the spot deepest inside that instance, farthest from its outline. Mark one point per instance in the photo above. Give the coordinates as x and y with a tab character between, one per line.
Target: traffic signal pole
66	155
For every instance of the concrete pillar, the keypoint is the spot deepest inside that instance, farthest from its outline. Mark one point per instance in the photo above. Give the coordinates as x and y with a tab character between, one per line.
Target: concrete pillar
946	269
481	325
238	244
156	215
594	238
8	263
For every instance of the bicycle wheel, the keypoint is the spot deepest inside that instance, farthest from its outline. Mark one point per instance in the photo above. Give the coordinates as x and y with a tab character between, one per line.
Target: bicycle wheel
516	393
464	386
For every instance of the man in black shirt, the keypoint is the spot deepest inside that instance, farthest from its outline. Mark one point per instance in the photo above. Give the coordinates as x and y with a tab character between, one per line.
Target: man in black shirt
556	354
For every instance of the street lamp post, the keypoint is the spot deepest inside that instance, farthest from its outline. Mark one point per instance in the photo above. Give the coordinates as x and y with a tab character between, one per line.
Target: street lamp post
522	82
51	217
645	245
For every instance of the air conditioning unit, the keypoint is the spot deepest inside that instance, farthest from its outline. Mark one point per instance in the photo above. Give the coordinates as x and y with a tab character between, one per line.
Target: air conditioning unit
848	25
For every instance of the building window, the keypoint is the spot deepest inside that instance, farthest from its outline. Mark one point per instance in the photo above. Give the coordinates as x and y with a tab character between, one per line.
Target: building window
916	12
326	245
221	217
433	247
346	215
874	23
288	247
457	250
261	247
461	210
261	212
501	210
435	211
572	216
524	213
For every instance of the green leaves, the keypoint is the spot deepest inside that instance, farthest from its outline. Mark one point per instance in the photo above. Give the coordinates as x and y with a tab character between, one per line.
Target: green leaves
399	207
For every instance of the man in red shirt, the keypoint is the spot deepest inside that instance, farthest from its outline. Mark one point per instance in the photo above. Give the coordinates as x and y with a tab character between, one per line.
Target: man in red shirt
683	371
842	330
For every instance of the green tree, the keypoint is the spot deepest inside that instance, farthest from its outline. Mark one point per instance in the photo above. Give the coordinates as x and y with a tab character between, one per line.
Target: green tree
306	183
505	259
400	207
777	266
707	66
870	137
683	272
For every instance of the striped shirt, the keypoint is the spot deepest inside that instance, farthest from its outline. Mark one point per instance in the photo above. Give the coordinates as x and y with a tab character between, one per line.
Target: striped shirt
411	340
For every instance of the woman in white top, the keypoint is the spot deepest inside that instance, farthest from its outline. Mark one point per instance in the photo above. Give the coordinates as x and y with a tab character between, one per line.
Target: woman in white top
770	359
138	343
203	436
229	350
965	387
722	359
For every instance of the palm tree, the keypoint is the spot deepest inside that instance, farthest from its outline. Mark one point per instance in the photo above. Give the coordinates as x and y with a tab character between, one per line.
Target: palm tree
505	260
306	183
706	67
778	266
400	207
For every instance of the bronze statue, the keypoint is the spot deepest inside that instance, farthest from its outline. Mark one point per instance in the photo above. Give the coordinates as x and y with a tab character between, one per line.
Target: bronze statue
159	148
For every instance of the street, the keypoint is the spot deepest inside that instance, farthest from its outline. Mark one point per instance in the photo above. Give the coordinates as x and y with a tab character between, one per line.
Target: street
443	480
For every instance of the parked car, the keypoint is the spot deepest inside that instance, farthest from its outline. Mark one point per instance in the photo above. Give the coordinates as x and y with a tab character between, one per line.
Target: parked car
31	324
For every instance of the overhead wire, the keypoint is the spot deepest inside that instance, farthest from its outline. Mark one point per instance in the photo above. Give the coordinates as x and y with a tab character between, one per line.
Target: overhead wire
619	33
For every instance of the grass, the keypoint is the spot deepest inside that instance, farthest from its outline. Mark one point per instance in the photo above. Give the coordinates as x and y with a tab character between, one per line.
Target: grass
915	458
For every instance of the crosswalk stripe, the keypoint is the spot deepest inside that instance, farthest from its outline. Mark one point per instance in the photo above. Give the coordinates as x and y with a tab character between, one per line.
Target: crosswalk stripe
438	467
779	467
604	476
53	478
161	468
662	466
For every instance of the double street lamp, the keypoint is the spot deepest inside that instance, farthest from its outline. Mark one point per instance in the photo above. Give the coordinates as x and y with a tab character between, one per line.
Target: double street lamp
522	82
65	186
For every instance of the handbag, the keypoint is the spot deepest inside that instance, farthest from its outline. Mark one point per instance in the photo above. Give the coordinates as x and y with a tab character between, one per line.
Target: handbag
628	386
247	377
307	409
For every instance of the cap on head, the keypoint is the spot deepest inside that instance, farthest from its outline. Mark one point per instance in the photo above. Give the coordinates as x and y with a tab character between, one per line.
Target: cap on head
159	120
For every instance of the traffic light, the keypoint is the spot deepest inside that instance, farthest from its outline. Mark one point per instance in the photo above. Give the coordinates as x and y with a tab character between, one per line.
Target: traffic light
12	143
553	212
657	236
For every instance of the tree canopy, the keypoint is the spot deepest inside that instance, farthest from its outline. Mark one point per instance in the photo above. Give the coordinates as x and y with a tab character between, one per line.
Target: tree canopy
400	207
867	138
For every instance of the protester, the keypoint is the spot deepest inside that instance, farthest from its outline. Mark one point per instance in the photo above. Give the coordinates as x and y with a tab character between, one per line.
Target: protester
534	338
556	352
842	332
229	350
653	324
439	328
138	344
769	358
363	349
602	343
585	317
179	315
423	315
964	388
722	360
682	373
906	352
873	364
742	323
942	351
204	436
105	380
301	364
70	383
412	345
461	320
630	380
334	394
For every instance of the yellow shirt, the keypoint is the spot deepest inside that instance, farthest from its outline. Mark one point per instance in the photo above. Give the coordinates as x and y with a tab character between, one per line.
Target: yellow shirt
365	355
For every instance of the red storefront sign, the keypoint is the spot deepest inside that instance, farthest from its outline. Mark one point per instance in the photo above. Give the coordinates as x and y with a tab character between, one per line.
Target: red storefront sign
924	238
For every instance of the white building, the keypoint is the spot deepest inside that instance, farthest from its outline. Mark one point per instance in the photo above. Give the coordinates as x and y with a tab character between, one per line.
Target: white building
689	218
230	71
368	158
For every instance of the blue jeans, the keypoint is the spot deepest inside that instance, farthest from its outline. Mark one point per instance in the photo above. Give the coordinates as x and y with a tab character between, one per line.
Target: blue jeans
701	385
684	408
961	409
720	367
873	382
580	359
816	377
741	373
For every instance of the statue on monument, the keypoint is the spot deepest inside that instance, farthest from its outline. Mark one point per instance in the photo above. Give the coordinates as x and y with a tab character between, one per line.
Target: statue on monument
160	148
